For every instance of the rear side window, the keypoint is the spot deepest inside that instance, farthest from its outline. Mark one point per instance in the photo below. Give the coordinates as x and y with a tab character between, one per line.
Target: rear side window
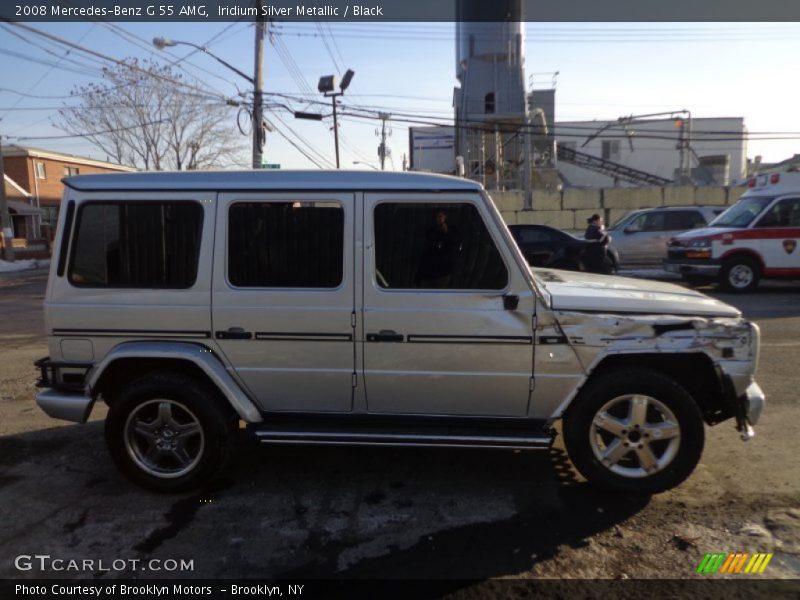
681	220
534	235
136	245
286	244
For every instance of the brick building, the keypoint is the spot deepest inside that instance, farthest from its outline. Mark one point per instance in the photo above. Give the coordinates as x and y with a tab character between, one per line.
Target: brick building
38	173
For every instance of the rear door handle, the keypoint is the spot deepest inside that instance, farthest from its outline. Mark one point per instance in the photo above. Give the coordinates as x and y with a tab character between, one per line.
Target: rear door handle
385	335
234	333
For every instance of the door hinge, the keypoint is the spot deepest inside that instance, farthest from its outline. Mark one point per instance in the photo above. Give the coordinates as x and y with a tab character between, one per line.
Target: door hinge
355	380
532	384
353	319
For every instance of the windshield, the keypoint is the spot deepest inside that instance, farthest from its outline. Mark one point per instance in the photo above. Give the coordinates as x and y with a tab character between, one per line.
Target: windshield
742	213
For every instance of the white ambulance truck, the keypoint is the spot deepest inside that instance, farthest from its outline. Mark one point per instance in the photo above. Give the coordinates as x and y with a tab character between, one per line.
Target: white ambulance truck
756	238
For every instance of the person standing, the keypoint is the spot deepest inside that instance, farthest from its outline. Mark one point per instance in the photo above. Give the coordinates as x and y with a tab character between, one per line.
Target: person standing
596	258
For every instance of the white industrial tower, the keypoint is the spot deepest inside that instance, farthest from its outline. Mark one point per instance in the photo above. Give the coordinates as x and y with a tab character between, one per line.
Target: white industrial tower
492	137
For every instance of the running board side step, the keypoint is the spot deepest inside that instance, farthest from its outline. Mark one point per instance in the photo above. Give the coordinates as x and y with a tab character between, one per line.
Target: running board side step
515	441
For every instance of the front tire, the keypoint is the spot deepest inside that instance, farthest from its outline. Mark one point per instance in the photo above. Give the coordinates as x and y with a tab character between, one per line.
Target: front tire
634	431
169	433
740	274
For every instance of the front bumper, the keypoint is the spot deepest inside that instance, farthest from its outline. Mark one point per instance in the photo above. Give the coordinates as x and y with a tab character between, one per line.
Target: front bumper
755	401
688	267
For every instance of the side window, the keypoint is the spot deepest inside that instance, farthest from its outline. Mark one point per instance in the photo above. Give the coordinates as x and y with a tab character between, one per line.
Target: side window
532	235
785	213
136	244
681	220
652	221
286	244
435	246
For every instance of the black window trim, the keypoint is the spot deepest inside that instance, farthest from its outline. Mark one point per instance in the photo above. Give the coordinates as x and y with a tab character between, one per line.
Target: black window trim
406	200
66	236
342	284
134	201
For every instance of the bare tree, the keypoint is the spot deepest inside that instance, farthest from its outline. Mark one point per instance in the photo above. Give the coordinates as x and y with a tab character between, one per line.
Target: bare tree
140	115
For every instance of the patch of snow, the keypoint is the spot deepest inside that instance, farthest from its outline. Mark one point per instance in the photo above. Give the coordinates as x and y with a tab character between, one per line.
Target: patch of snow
22	265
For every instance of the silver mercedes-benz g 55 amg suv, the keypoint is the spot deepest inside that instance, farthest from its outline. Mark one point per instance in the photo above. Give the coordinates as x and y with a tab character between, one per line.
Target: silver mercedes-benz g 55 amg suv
367	308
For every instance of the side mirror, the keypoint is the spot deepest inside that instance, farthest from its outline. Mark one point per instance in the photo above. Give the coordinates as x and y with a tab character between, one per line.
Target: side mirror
630	229
510	301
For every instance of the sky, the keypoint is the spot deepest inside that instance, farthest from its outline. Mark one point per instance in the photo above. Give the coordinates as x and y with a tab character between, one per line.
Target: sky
605	70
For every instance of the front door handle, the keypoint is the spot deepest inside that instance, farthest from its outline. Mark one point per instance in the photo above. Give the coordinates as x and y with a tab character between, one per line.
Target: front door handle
385	335
234	333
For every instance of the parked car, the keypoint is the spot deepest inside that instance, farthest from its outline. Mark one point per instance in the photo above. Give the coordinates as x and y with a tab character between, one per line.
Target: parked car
367	308
758	237
545	246
642	236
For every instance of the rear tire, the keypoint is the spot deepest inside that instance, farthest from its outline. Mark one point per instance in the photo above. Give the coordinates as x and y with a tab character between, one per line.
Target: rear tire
635	431
740	274
169	432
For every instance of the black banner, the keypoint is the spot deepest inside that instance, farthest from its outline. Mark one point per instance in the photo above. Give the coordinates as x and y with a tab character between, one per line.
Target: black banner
401	10
575	589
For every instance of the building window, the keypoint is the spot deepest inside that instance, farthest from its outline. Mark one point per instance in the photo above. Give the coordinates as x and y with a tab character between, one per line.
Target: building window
286	244
435	246
488	103
41	171
70	171
611	150
136	245
50	215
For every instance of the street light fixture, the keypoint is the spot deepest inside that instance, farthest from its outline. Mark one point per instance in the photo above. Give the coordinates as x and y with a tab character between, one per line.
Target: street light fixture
327	85
258	109
164	42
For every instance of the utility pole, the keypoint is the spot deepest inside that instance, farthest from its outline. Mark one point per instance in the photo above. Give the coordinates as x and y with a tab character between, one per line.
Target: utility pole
383	151
258	85
5	218
327	85
335	130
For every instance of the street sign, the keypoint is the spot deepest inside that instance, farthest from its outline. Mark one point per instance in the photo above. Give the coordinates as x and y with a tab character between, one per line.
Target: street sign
270	165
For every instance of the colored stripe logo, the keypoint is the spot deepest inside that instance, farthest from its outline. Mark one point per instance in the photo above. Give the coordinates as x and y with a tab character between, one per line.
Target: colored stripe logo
736	563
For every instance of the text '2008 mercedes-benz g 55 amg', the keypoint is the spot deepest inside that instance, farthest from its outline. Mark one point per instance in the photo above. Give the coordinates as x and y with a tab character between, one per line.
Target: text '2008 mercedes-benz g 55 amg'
367	308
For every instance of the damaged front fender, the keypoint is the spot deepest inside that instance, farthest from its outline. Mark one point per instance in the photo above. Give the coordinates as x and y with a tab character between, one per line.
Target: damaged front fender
729	343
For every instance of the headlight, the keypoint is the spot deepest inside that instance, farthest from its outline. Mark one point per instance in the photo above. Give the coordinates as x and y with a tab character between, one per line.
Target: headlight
705	243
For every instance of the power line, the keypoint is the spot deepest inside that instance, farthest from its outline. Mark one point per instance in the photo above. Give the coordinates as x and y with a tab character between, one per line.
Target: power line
580	130
111	59
85	135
